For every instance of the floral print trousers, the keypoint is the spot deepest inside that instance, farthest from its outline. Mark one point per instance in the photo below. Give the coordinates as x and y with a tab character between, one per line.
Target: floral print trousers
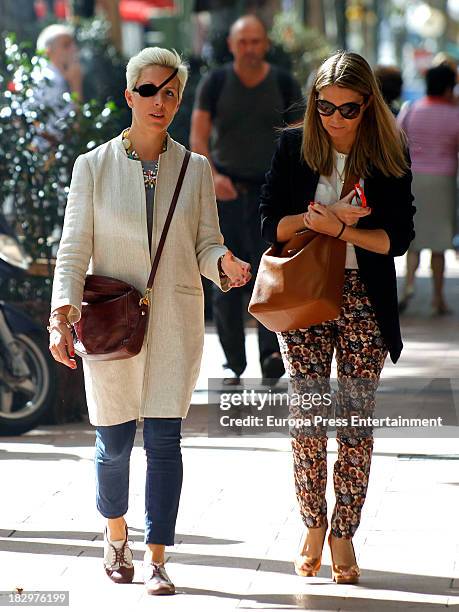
360	355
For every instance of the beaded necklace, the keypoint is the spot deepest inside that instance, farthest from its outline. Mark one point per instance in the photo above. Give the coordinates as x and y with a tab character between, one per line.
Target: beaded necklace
150	176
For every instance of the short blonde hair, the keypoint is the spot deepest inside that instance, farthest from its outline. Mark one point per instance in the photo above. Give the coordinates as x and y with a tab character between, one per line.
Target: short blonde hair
156	56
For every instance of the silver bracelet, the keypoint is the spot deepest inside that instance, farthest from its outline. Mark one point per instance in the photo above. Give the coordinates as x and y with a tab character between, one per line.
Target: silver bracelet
53	319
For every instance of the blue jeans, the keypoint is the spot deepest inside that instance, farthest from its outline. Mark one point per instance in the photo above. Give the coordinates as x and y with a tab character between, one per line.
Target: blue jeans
161	441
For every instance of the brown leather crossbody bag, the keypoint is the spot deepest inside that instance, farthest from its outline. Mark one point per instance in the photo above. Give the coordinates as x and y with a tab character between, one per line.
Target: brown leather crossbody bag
114	314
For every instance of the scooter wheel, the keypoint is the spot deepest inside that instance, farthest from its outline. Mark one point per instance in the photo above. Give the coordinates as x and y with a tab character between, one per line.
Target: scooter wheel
23	403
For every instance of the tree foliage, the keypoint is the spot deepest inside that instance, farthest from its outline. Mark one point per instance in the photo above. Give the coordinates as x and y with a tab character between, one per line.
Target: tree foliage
305	46
34	182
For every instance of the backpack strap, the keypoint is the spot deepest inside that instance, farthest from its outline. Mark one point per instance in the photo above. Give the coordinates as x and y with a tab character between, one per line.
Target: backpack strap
293	109
285	84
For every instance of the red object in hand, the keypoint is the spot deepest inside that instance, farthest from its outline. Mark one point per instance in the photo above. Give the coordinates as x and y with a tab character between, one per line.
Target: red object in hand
360	195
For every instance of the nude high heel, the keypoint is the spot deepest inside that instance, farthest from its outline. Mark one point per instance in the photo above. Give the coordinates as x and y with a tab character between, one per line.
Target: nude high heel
310	566
344	574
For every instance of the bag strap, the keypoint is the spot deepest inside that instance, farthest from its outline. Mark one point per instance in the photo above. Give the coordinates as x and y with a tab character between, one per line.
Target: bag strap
159	250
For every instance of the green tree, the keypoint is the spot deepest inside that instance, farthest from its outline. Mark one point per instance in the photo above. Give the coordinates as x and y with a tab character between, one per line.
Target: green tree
305	46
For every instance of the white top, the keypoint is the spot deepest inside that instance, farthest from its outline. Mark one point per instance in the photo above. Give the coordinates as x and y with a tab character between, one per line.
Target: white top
329	191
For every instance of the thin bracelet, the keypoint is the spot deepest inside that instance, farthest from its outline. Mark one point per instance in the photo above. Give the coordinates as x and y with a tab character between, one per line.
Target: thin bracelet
57	314
342	230
53	326
54	318
54	321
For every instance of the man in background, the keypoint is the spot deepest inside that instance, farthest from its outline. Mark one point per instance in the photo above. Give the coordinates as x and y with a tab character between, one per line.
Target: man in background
237	110
60	74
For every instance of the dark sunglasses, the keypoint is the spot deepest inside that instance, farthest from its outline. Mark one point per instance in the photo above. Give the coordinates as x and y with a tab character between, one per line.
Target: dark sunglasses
148	90
349	110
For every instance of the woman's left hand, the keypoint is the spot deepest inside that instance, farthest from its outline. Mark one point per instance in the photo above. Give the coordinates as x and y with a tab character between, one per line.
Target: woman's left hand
236	270
320	219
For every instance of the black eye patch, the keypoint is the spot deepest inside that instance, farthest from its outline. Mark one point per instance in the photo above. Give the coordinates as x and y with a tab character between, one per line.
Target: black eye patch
148	89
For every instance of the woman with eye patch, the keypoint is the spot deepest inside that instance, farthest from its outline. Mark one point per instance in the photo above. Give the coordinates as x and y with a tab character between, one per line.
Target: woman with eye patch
118	202
348	136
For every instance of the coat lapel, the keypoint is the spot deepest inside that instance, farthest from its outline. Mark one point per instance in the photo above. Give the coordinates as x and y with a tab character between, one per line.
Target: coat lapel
132	199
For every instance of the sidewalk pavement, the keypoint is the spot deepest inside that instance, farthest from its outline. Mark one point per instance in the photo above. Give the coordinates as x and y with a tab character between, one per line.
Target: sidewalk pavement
238	527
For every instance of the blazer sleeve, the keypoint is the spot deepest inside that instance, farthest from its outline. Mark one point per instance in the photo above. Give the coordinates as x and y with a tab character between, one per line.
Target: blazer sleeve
209	240
396	216
274	192
76	244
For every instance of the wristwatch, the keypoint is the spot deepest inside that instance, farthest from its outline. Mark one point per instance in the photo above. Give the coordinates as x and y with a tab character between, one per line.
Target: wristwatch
220	269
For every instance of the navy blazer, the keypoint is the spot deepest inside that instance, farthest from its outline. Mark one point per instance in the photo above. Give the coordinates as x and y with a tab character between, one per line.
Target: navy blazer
290	185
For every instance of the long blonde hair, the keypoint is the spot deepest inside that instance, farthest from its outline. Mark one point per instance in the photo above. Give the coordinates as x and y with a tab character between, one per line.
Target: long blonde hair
378	141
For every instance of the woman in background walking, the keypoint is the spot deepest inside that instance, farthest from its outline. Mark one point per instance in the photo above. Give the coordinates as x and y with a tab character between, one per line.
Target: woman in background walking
432	128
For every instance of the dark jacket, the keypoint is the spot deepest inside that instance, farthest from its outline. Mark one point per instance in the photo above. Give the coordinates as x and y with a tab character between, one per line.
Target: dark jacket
291	184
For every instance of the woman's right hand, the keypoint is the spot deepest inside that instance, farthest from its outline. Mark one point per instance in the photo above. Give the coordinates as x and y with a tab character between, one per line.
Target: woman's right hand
224	188
61	344
347	213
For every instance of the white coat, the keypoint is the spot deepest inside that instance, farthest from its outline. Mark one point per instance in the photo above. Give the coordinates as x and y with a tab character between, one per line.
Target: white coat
105	232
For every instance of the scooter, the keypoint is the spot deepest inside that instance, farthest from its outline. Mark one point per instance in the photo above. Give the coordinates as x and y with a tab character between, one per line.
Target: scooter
27	384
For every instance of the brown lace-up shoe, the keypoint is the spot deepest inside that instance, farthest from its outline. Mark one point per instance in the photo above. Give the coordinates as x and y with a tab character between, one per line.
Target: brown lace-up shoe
118	563
157	582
